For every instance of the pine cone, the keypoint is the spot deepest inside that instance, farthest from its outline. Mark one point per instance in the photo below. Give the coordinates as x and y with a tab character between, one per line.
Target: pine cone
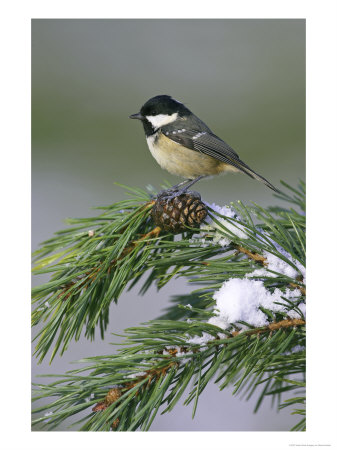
174	214
112	395
110	398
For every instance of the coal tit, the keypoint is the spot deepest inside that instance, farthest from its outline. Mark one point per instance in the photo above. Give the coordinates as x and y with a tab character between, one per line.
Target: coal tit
184	145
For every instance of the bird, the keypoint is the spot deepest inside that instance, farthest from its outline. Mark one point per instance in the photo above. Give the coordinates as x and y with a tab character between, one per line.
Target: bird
185	146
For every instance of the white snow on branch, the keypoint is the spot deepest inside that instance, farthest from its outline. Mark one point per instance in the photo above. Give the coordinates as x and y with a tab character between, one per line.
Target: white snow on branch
240	299
201	340
294	315
200	241
235	228
279	265
179	351
275	263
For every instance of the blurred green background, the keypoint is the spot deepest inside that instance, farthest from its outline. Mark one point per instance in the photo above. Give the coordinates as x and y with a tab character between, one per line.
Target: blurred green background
244	78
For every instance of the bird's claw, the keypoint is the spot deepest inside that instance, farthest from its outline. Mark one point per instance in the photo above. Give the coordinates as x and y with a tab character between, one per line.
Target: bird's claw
169	194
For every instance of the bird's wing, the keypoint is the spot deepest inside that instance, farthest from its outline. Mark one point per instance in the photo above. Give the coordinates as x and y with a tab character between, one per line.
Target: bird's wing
208	143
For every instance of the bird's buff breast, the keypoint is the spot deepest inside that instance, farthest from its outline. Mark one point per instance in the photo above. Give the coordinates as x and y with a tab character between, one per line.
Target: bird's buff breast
182	161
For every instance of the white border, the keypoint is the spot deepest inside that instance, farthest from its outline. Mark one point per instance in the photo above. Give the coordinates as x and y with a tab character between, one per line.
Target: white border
321	176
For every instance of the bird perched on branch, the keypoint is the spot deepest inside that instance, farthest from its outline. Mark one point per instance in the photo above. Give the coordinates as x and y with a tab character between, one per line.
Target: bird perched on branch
184	145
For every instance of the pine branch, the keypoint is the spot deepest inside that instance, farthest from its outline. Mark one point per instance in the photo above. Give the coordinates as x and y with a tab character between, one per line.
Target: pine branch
243	326
165	372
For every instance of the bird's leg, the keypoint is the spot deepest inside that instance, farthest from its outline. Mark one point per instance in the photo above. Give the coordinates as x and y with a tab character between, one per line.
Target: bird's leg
175	187
190	183
179	188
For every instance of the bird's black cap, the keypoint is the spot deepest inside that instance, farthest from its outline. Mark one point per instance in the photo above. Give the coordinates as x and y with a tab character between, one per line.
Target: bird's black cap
161	104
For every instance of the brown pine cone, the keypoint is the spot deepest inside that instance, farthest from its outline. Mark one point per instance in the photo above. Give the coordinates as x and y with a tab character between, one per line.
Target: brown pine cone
110	398
112	395
174	214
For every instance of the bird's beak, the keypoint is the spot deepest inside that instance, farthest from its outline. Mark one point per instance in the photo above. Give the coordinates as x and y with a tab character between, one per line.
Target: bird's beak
137	116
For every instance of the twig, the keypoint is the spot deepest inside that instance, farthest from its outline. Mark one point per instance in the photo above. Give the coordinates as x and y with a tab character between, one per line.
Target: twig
297	286
273	327
115	393
264	262
151	234
252	255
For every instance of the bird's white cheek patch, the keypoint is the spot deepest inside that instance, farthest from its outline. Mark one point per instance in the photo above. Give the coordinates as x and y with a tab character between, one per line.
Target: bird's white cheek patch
161	119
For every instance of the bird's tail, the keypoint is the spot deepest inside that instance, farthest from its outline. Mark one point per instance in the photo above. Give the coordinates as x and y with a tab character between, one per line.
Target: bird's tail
250	172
